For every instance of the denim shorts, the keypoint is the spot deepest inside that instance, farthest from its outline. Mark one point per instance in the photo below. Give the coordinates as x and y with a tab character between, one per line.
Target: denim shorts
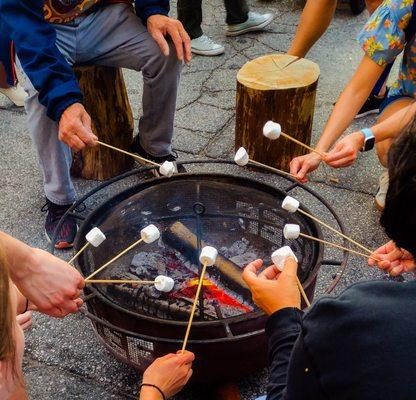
392	99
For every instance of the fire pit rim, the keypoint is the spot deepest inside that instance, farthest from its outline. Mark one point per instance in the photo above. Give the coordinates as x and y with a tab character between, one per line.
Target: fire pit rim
124	194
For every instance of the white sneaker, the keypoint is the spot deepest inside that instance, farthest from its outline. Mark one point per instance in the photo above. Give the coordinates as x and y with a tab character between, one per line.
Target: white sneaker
16	94
380	198
204	46
255	22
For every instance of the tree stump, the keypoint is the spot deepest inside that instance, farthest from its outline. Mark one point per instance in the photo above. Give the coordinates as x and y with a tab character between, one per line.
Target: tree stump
106	101
280	88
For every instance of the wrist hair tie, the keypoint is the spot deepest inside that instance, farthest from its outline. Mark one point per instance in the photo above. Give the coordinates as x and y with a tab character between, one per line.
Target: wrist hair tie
155	387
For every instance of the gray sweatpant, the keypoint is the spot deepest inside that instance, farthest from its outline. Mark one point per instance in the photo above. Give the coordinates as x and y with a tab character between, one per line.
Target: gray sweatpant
112	36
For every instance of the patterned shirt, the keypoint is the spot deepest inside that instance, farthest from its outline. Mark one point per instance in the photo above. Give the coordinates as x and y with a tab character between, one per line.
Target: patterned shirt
383	39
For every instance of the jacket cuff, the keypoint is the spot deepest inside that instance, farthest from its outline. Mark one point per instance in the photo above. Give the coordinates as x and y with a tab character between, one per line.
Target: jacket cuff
149	11
61	98
283	321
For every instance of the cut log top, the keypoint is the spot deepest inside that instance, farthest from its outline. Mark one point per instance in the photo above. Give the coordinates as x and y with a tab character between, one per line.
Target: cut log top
277	72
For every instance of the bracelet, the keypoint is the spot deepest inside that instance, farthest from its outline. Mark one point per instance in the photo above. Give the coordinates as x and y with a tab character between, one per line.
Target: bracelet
27	305
155	387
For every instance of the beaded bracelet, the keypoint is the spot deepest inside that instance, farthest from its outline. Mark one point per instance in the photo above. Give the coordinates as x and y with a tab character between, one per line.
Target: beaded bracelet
155	387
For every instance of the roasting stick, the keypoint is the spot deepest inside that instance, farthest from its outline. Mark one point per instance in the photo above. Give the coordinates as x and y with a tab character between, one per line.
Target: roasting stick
94	237
279	258
147	235
207	258
273	130
242	158
166	169
292	205
162	283
87	281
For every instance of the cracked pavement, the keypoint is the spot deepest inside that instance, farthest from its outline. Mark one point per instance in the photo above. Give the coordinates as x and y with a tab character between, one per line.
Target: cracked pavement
63	358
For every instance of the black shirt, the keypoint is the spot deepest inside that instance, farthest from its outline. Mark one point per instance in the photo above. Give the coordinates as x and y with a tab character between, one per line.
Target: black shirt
357	346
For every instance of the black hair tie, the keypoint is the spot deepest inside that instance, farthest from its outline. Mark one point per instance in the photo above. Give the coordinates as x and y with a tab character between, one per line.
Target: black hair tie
155	387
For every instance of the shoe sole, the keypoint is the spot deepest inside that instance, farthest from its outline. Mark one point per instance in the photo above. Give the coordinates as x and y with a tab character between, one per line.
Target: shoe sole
366	113
60	245
251	28
378	206
208	52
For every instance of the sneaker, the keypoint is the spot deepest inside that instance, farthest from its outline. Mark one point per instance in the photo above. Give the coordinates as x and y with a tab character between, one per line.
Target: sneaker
137	148
371	105
380	198
66	236
204	46
255	22
16	94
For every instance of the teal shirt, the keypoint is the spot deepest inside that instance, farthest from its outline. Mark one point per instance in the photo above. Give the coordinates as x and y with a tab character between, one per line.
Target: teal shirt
383	39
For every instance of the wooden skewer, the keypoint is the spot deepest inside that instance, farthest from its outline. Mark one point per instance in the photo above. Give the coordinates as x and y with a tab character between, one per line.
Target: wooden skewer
323	155
271	168
366	256
119	281
336	231
79	253
114	259
127	153
191	318
302	292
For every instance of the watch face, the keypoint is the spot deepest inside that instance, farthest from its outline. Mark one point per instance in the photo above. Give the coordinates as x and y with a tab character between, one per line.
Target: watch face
369	143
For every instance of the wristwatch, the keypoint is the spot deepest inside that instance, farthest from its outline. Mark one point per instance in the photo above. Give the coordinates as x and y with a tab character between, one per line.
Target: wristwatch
369	139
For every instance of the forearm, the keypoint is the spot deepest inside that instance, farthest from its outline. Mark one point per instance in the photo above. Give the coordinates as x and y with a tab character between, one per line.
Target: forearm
314	21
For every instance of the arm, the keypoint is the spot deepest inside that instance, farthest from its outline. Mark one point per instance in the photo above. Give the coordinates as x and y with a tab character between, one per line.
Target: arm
346	150
49	283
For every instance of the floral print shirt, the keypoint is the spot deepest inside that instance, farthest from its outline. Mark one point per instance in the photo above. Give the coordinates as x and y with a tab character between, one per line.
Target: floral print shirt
383	39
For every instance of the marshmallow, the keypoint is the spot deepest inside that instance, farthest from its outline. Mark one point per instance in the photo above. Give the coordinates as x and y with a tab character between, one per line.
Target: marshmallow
167	169
241	158
164	283
150	234
272	130
95	237
290	204
291	231
280	256
208	256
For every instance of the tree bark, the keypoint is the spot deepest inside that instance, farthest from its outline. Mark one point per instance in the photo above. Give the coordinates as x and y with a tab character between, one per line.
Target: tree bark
280	88
106	101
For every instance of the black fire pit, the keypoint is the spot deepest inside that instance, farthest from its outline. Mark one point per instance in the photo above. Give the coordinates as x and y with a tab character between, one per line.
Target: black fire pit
239	216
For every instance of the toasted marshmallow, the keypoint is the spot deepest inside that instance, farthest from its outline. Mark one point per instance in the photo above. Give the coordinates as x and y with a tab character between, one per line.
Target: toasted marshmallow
164	283
291	231
208	255
150	234
167	169
290	204
272	130
241	158
95	237
280	256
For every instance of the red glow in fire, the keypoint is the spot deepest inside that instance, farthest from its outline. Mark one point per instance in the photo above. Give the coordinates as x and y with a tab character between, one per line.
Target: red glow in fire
212	292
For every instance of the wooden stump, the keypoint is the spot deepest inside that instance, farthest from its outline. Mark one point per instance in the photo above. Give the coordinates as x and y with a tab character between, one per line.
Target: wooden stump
281	88
106	101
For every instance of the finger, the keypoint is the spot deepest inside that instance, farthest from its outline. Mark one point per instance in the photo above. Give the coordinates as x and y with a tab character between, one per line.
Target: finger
186	357
161	42
396	270
291	267
188	376
342	163
186	42
177	41
301	175
270	273
76	143
250	272
79	302
295	166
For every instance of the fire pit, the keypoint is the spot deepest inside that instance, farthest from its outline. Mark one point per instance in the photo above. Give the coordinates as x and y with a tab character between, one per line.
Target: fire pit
239	216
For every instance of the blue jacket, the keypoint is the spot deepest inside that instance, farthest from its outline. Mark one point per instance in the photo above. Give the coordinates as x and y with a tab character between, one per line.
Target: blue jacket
35	43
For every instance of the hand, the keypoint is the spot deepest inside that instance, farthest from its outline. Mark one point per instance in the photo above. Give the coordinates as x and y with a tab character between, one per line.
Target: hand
52	285
271	289
345	151
159	26
75	128
169	373
25	320
394	260
301	166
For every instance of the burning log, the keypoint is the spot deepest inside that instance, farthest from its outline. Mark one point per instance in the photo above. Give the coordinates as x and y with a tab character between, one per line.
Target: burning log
182	239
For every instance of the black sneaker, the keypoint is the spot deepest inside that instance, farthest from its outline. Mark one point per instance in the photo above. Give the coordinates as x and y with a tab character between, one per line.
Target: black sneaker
371	106
66	235
137	148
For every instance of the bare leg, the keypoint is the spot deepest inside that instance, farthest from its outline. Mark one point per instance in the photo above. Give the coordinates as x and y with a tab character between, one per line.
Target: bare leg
314	21
372	5
384	146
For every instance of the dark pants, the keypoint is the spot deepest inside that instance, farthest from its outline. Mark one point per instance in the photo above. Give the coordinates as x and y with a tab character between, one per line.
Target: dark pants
7	71
190	14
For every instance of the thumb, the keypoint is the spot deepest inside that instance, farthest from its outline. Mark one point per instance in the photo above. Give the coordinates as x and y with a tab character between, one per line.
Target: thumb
290	268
